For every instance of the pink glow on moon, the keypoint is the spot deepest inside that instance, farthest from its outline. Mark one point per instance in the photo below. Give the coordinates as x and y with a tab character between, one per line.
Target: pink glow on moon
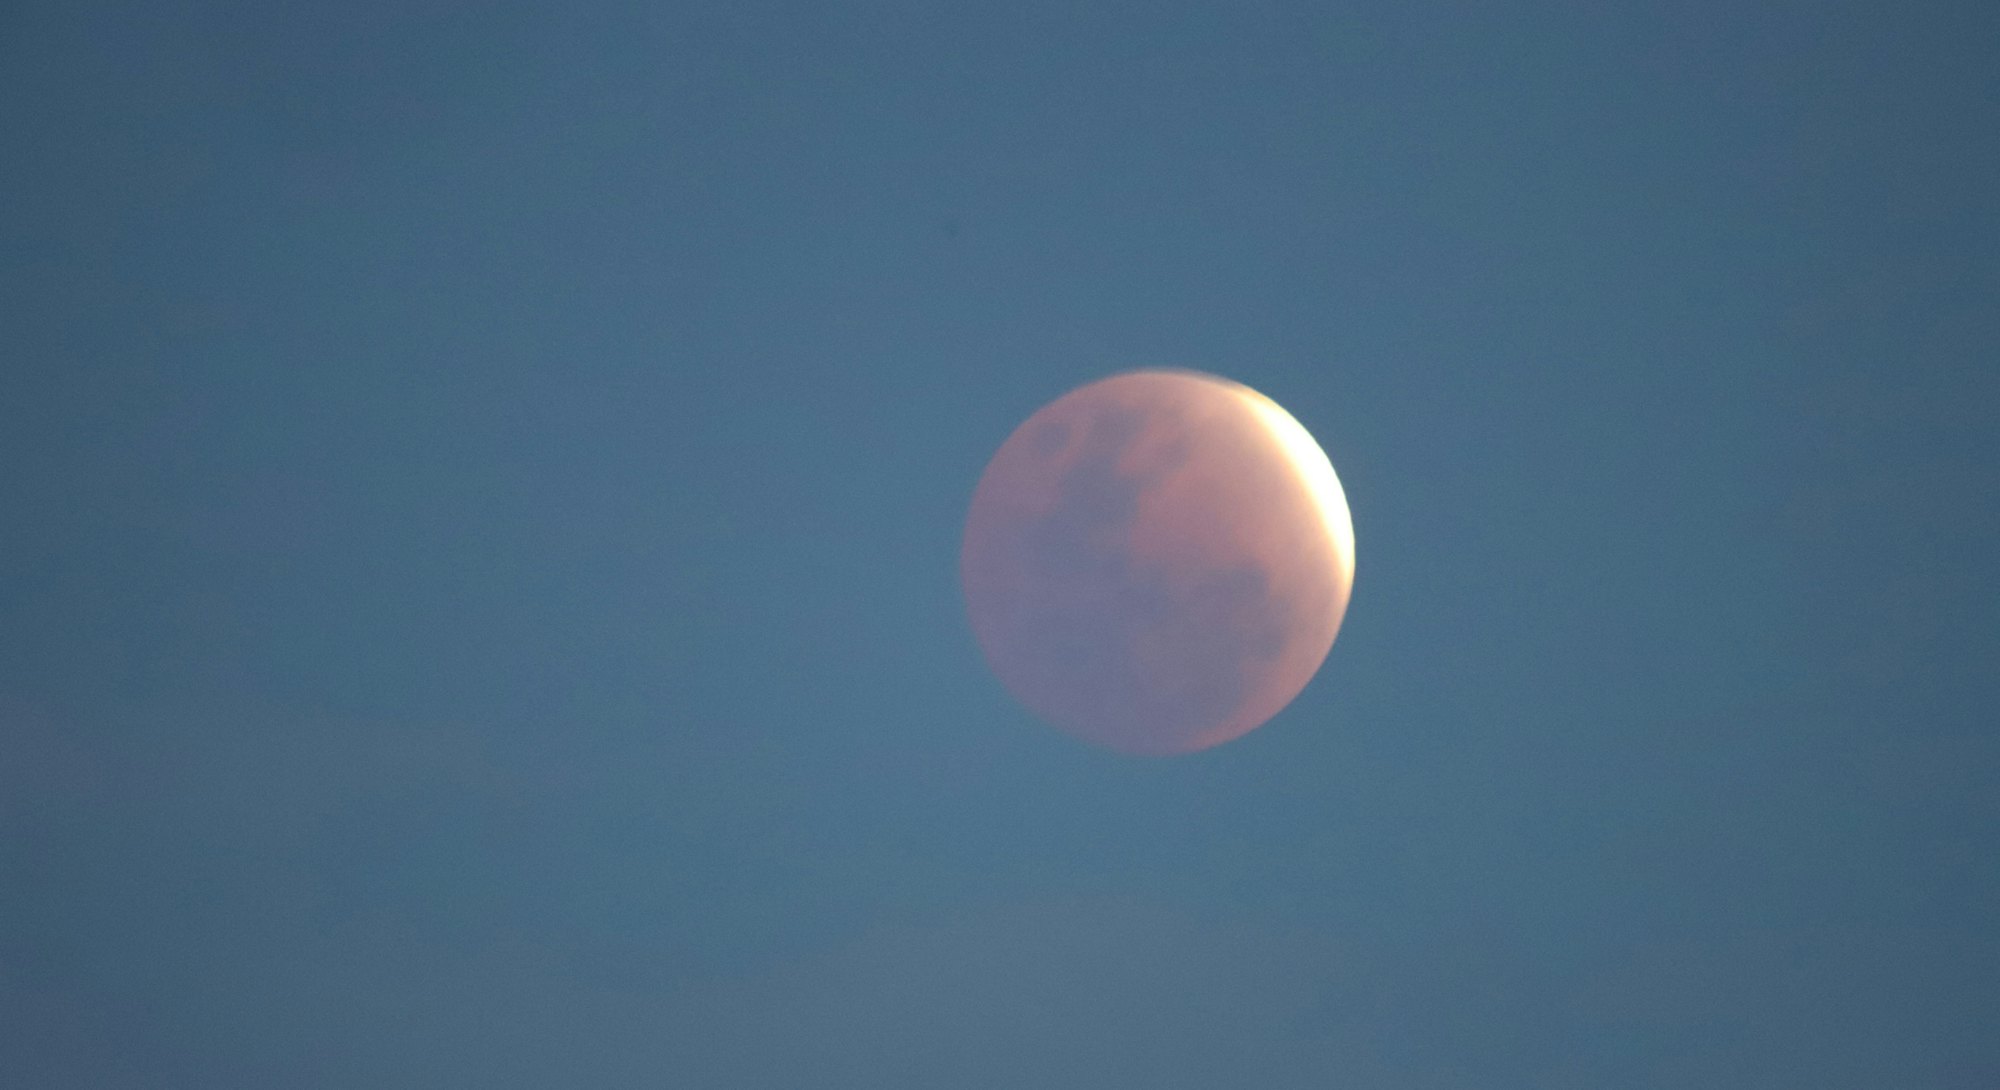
1157	562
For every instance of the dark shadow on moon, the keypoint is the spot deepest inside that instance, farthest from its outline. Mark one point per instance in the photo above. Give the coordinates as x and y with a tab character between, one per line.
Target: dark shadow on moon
1132	655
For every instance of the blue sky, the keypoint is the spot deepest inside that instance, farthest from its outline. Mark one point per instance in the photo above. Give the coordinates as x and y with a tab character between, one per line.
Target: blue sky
482	490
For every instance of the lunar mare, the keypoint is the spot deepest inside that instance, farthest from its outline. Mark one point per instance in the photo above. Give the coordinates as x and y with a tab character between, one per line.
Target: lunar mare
1157	562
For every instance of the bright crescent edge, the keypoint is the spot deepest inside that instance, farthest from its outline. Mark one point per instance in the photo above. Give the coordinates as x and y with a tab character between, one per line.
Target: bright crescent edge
1316	469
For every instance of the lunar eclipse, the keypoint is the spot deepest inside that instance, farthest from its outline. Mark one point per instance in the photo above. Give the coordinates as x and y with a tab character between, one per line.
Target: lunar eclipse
1157	562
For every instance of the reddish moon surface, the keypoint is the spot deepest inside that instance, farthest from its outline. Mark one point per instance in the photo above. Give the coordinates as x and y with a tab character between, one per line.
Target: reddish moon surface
1157	562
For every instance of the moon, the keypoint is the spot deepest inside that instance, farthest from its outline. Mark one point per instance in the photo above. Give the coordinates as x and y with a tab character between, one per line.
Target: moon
1157	562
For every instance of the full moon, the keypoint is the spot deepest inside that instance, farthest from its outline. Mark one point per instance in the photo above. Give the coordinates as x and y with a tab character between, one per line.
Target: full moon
1157	562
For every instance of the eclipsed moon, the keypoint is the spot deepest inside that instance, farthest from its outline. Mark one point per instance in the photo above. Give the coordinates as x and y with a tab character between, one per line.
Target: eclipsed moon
1157	562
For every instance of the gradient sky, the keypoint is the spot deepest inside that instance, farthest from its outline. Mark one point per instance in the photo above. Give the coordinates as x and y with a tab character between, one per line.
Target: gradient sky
482	485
